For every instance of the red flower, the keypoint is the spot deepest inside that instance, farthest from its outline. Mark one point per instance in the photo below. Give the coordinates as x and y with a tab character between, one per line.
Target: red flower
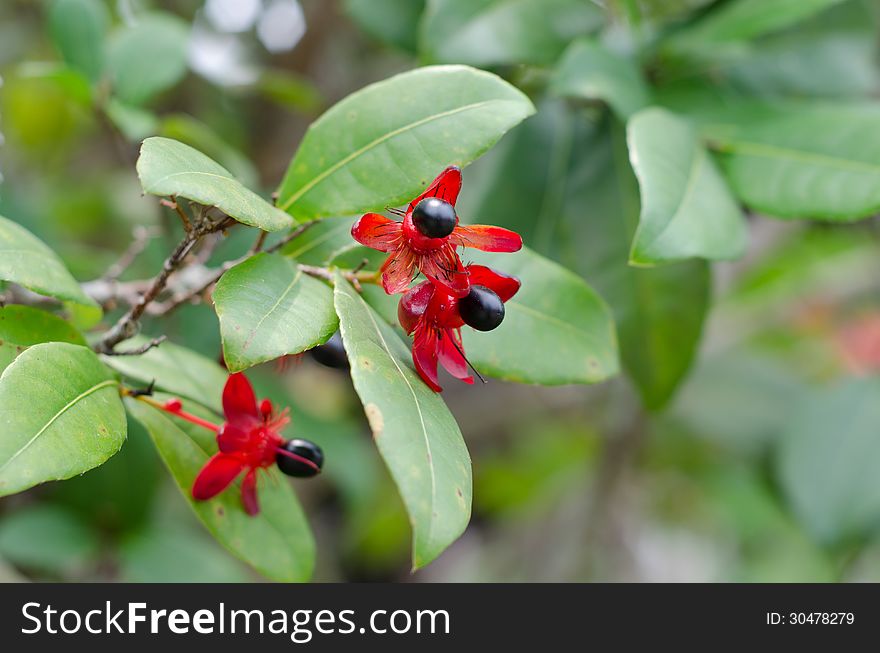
427	238
248	441
436	316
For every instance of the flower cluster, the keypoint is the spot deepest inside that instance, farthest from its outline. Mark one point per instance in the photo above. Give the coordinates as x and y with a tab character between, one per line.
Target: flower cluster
427	241
249	441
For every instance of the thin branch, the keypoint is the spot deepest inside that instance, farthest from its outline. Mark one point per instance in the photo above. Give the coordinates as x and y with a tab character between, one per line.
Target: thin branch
143	349
261	239
173	204
296	233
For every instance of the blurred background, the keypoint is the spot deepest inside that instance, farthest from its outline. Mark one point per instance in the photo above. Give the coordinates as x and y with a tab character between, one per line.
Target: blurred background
763	466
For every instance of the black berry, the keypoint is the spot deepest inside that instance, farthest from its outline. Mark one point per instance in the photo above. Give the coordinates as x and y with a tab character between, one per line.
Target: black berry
481	309
304	449
434	218
331	353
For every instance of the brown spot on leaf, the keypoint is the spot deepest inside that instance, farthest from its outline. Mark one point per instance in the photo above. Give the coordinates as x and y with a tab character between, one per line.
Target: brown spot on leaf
375	418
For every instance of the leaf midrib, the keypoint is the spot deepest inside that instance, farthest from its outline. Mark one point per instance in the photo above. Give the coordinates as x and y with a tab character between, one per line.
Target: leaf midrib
57	416
317	179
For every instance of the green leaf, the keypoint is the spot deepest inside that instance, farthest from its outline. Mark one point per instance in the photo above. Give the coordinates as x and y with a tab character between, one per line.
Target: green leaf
268	308
322	242
391	21
78	28
277	542
742	20
383	144
813	161
828	460
590	71
175	369
147	57
23	326
490	32
27	261
47	538
556	329
168	167
687	209
414	430
60	415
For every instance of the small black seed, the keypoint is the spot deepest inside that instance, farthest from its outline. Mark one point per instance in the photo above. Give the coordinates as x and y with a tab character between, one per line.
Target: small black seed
434	218
481	309
304	449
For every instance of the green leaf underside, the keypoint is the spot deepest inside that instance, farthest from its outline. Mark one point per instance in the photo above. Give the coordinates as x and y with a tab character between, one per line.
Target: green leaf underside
802	161
27	261
590	71
491	32
23	326
60	415
268	308
556	329
277	542
828	460
175	369
167	167
383	144
416	435
687	210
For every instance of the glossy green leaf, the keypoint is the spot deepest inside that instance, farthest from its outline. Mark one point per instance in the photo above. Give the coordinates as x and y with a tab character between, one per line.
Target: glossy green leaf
175	369
24	326
383	144
687	209
78	28
416	434
168	167
802	161
27	261
588	70
268	308
147	57
391	21
742	20
489	32
277	542
828	460
556	329
60	415
323	242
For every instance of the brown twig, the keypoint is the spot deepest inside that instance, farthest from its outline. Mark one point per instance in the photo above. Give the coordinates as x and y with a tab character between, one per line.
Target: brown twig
173	204
127	326
137	351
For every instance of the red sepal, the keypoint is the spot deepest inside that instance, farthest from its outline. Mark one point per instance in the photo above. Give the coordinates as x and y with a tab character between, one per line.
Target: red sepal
217	474
486	238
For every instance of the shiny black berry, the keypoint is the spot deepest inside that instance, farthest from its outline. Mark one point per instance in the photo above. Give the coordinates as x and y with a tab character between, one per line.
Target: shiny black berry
434	218
299	468
481	309
331	353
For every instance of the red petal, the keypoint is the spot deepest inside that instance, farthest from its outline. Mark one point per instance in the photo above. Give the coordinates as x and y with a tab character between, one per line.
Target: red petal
398	270
220	470
231	438
425	356
239	401
486	238
249	493
445	186
444	267
503	285
451	358
413	305
377	231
